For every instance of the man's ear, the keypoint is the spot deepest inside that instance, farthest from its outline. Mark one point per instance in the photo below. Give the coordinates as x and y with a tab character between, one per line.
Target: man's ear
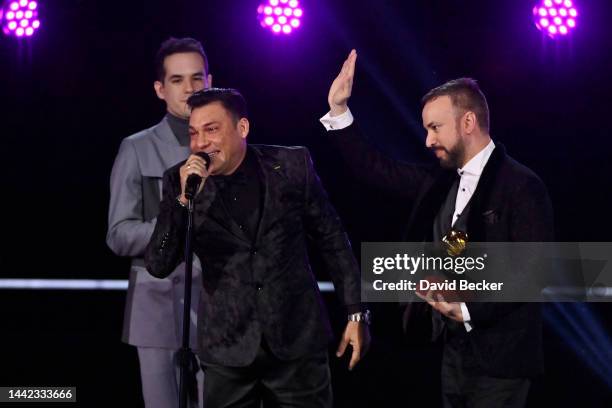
159	89
243	127
469	122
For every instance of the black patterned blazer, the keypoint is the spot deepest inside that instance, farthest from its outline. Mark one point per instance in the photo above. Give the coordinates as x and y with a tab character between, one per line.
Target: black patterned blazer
263	287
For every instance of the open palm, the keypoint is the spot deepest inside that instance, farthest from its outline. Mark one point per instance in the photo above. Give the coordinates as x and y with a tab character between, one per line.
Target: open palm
341	88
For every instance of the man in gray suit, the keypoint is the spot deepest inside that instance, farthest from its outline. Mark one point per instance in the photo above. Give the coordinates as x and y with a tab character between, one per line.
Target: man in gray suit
153	311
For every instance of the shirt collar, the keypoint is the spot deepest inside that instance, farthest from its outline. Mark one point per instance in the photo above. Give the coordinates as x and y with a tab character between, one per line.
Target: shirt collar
243	172
477	163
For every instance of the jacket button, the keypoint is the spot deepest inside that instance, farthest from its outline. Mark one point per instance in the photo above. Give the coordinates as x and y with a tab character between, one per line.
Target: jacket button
258	286
254	251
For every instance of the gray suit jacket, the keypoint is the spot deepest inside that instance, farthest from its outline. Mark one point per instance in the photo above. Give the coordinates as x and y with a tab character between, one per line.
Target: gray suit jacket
154	307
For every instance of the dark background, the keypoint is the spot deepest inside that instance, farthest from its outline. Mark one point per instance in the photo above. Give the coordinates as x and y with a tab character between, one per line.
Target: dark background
84	82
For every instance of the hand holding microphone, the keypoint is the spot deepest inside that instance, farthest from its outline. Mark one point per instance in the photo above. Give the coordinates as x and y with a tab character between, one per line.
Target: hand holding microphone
193	175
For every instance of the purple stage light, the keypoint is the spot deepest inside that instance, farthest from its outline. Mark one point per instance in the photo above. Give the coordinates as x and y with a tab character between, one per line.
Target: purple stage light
19	18
280	16
556	18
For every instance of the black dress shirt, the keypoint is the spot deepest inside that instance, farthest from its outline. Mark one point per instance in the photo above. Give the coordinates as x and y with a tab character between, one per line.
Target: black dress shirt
242	195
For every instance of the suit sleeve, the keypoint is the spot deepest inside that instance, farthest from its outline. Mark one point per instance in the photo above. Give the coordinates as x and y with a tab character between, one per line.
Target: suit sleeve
369	165
531	221
165	250
324	229
128	233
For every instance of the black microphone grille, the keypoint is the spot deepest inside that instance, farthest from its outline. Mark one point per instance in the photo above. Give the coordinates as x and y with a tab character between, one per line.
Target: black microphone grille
204	156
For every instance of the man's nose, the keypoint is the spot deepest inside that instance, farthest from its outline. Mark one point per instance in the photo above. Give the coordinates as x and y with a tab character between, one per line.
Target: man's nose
201	142
189	88
430	140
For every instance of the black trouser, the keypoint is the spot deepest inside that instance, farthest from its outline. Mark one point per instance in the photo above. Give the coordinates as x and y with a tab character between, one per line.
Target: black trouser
463	384
304	382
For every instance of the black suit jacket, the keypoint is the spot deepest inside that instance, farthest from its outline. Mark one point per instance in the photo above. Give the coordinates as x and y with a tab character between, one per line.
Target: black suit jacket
510	204
261	287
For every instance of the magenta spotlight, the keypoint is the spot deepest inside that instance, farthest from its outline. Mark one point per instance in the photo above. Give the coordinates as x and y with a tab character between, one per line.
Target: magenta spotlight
555	18
19	18
280	16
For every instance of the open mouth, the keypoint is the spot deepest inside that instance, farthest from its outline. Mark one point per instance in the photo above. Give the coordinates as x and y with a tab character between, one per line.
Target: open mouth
213	154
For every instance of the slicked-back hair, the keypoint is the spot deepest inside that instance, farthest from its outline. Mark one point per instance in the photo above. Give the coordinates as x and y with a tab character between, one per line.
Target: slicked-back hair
465	95
230	99
176	46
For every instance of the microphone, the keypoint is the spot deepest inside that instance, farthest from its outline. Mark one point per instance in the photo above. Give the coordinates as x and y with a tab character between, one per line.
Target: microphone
193	181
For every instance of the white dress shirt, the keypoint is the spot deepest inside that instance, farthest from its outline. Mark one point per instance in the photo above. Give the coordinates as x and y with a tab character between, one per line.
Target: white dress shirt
469	177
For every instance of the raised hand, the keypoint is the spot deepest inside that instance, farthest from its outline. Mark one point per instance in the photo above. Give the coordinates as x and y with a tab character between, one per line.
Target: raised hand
341	88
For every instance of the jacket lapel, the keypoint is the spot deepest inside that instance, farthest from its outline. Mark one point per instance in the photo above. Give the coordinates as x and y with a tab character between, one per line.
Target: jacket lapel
173	152
482	194
271	175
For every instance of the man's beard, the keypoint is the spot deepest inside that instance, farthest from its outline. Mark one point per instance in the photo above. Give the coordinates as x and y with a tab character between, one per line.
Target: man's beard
454	156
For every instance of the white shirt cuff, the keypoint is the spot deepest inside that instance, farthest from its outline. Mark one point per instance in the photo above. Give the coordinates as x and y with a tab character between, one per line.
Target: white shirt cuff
466	317
337	122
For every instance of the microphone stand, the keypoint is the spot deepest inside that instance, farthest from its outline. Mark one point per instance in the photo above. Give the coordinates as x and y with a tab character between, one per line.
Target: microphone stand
186	357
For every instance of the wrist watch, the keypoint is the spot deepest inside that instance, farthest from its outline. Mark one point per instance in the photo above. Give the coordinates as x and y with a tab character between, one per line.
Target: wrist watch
178	200
365	317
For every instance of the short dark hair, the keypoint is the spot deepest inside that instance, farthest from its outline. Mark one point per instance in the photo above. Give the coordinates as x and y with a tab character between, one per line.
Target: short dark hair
231	99
465	94
175	46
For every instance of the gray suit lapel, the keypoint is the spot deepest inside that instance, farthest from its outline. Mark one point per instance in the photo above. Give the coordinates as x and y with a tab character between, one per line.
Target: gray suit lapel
173	151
